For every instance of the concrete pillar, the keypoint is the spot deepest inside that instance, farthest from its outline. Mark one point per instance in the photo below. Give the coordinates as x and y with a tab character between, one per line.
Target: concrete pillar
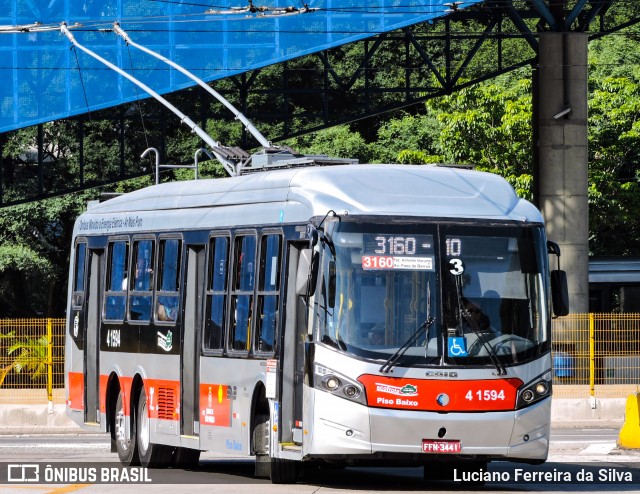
563	156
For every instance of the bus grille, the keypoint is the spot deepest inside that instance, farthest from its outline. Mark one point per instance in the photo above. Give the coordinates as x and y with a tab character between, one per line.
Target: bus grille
166	403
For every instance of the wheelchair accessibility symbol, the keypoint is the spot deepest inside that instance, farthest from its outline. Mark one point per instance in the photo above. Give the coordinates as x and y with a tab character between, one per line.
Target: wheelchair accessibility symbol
457	346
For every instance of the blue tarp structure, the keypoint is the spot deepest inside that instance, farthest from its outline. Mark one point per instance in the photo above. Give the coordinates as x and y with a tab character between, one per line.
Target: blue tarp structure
43	79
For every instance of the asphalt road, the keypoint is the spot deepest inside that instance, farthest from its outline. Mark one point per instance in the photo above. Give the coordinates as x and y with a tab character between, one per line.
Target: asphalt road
581	460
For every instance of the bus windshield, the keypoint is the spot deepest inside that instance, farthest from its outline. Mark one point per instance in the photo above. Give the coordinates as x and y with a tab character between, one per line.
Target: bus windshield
382	284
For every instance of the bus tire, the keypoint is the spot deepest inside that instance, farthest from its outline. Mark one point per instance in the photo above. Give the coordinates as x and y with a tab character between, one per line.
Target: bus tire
126	448
186	458
151	455
284	471
261	446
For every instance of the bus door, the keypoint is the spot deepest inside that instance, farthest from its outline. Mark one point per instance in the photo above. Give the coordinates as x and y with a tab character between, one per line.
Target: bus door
292	356
191	324
91	332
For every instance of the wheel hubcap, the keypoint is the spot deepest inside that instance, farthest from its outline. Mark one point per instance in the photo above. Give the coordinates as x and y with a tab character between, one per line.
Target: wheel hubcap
144	427
121	431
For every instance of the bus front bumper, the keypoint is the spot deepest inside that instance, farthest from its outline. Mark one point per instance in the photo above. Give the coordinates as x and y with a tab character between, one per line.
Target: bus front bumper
341	427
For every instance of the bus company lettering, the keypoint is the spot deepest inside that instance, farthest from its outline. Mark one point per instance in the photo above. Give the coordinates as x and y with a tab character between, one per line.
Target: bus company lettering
405	390
107	224
401	393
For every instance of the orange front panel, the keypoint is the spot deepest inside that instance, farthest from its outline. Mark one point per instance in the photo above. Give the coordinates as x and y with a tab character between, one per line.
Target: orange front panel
441	395
103	392
215	405
75	398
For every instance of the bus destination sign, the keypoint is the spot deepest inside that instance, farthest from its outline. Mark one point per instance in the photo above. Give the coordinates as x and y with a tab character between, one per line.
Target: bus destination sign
410	252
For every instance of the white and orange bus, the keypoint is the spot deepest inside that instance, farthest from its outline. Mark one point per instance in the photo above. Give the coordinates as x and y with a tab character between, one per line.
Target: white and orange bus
347	314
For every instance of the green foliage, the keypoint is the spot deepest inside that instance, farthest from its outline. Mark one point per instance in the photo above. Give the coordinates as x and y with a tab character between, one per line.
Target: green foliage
488	125
614	142
399	137
410	157
20	258
35	240
338	142
29	354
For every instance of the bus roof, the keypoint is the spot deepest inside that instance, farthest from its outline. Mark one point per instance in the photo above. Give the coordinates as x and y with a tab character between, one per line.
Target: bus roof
297	194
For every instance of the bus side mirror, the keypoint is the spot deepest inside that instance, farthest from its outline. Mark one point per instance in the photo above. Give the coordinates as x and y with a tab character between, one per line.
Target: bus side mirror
559	293
307	274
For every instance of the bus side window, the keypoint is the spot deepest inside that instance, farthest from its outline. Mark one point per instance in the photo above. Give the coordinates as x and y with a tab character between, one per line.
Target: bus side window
78	281
216	293
142	282
268	293
242	291
168	290
116	292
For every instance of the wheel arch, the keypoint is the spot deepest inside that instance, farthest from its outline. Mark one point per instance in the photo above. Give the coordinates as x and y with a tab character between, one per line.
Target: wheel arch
259	406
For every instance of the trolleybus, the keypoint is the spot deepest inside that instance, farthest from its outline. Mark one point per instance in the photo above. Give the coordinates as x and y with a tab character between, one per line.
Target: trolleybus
348	314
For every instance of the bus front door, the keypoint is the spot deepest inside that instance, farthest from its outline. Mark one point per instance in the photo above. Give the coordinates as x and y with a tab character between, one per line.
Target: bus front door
192	322
292	358
92	338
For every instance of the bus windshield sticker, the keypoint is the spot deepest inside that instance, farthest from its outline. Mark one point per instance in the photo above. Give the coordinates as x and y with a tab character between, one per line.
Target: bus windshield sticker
457	346
271	378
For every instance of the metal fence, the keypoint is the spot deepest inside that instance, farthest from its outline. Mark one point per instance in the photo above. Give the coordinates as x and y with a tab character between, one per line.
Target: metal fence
593	355
596	355
32	360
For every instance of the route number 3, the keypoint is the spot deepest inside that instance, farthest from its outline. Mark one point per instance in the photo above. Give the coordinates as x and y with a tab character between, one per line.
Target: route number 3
456	267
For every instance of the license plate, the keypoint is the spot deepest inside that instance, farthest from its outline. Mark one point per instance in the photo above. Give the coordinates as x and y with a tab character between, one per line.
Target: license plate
440	446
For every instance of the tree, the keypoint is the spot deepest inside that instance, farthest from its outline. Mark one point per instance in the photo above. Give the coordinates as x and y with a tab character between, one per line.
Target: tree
614	145
489	125
614	140
339	142
35	241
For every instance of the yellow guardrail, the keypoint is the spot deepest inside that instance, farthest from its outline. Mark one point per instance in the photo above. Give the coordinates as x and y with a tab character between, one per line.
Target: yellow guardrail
595	355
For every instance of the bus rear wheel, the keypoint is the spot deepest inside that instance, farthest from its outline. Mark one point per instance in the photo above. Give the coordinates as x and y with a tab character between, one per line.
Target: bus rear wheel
126	445
151	455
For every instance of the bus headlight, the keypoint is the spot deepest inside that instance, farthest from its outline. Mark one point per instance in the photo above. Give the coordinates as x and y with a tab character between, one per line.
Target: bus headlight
328	380
536	390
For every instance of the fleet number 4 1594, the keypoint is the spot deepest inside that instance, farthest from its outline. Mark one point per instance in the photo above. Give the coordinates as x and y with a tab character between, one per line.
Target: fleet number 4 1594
485	395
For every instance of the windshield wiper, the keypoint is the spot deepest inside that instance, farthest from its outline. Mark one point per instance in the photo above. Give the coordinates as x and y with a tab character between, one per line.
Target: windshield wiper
502	370
387	366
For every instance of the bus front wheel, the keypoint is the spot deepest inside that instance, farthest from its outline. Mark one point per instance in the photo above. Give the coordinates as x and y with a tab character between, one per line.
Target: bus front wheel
151	455
126	445
279	470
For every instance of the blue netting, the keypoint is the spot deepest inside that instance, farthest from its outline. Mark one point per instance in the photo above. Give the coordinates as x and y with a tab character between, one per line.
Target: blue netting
43	79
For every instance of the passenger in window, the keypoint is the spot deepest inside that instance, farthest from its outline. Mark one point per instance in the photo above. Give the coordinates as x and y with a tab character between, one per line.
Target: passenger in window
167	309
376	335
